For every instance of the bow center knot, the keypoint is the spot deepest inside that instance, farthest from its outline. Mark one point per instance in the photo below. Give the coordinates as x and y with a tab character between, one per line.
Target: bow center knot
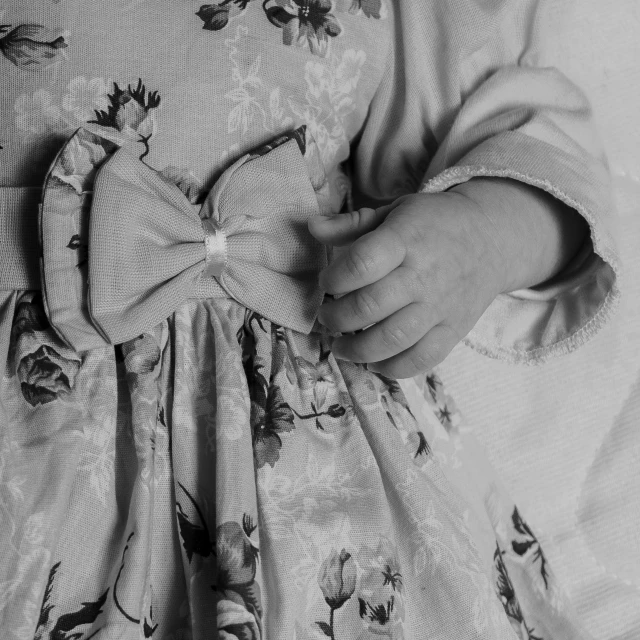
215	243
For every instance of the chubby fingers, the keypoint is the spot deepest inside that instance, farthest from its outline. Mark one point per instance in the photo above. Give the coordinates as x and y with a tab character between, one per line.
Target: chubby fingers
423	356
370	258
372	303
344	228
393	335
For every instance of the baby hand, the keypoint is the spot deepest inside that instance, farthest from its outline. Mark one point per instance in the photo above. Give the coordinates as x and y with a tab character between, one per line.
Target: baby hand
421	271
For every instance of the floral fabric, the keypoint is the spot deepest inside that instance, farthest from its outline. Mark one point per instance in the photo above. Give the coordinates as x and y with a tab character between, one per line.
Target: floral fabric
219	475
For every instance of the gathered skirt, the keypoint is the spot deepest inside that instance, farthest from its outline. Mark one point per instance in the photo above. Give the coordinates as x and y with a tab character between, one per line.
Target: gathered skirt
224	477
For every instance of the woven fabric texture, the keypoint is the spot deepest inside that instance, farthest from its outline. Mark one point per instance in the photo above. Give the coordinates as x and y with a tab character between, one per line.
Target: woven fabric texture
219	474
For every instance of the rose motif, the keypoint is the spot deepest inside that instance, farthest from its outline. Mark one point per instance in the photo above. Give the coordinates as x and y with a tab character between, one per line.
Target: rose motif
80	160
131	113
337	578
235	622
45	367
237	556
141	356
45	374
32	46
304	23
239	608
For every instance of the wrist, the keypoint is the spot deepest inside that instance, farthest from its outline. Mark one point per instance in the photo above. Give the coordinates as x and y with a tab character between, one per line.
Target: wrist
534	234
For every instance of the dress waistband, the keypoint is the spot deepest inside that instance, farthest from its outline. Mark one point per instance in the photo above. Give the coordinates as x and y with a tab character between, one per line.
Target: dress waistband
19	245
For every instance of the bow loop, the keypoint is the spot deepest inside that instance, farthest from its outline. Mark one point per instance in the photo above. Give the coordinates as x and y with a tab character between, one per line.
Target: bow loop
149	249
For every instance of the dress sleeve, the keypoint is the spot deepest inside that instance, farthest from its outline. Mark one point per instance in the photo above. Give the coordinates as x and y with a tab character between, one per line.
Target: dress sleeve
468	92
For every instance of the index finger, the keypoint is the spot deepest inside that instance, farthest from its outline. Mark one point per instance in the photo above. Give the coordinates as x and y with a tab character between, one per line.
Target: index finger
367	260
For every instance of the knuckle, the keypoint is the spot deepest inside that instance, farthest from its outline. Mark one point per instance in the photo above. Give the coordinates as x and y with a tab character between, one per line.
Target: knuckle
393	336
423	359
364	305
358	263
417	284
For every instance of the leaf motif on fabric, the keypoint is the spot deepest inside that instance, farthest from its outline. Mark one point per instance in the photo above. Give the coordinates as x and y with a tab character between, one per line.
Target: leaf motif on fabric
507	595
87	614
195	535
279	417
522	547
423	445
46	608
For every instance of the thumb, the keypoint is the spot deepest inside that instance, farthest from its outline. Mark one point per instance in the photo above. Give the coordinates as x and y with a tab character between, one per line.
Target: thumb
345	228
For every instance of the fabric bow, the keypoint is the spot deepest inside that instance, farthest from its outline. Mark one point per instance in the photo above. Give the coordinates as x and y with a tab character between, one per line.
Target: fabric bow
140	249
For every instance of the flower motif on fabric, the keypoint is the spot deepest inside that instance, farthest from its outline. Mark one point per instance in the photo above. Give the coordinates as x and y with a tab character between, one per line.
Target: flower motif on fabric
38	113
45	367
32	47
337	581
330	98
141	356
77	166
186	181
216	16
391	393
380	592
509	599
528	544
131	112
304	23
367	8
270	414
317	379
268	424
239	606
86	97
442	404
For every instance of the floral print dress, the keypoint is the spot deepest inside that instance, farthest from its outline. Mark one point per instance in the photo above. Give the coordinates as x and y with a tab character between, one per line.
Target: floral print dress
220	474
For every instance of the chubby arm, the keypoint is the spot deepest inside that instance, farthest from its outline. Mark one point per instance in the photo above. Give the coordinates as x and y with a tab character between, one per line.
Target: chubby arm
535	234
471	98
416	275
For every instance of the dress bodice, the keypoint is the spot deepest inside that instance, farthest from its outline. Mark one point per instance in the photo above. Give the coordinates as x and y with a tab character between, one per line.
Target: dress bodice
192	86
